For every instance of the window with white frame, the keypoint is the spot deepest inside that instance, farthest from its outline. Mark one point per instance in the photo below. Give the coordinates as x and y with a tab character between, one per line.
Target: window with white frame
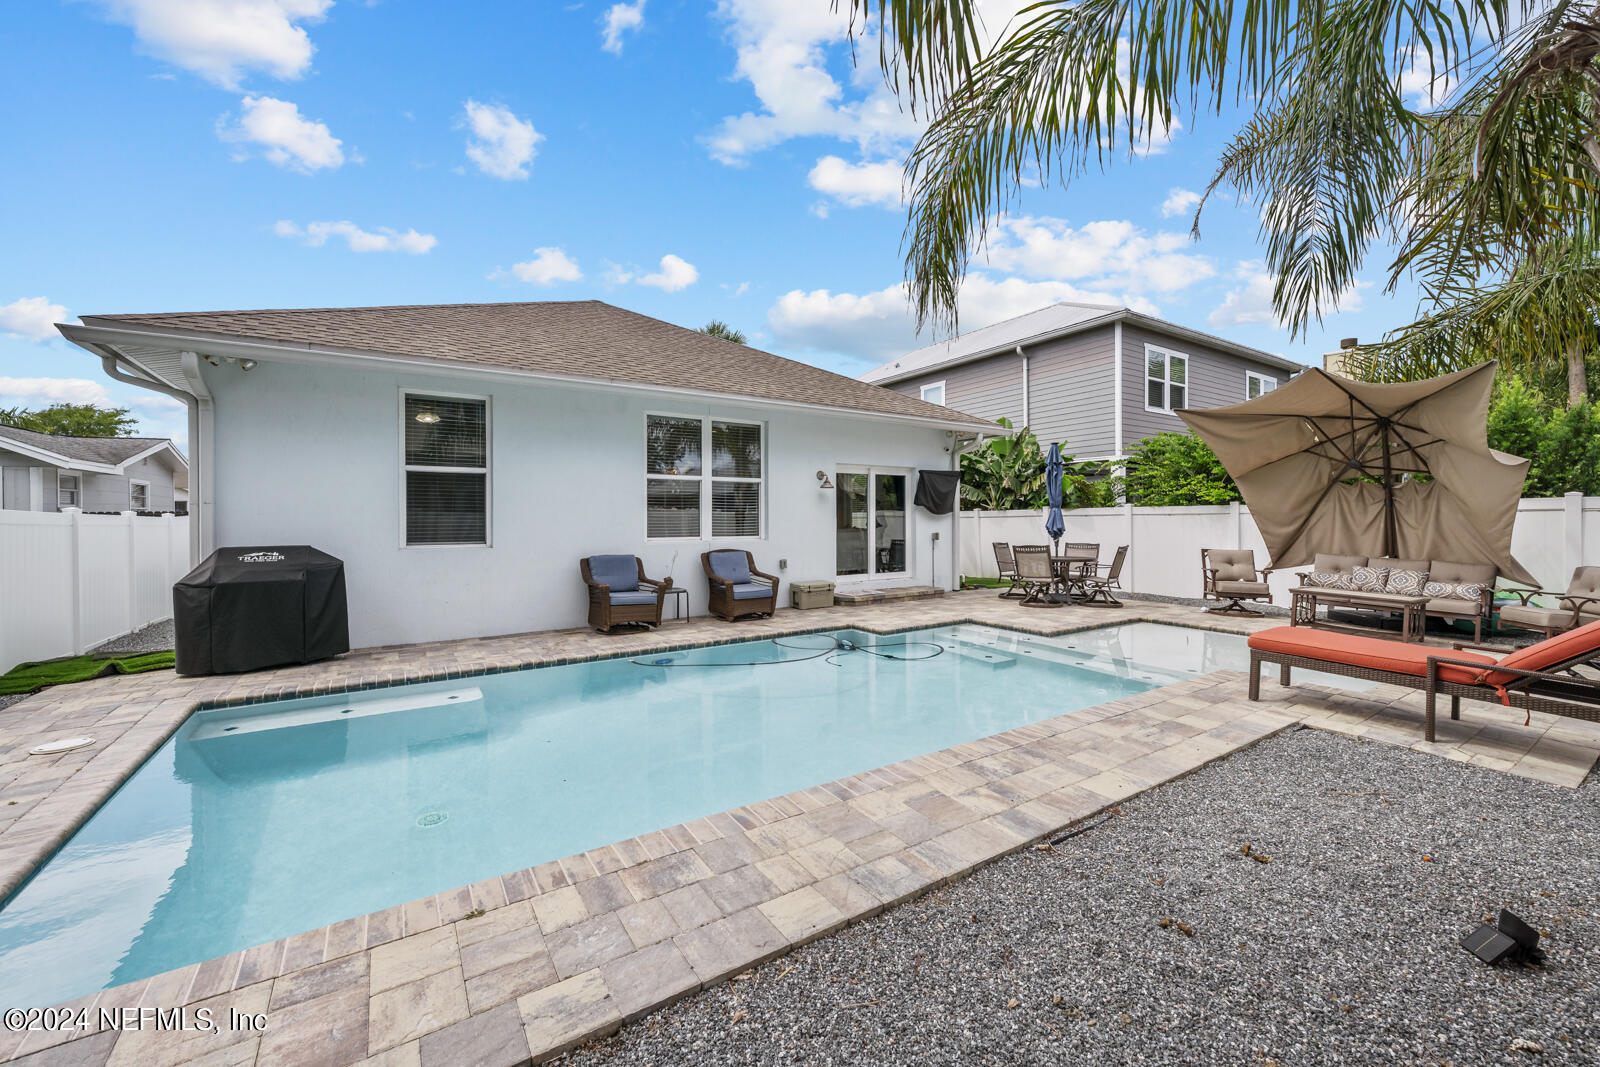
686	497
933	393
1257	384
446	465
1166	379
67	486
139	496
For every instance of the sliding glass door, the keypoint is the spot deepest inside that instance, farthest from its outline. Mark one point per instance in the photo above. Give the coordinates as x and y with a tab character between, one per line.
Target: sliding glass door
872	523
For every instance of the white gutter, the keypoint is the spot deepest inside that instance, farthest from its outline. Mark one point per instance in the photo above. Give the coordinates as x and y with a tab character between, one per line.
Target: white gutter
87	335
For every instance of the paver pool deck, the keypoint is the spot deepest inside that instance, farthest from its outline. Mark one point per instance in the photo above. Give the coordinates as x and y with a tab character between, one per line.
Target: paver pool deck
527	965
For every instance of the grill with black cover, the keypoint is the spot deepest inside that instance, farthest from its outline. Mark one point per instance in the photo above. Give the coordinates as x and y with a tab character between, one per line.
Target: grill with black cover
244	609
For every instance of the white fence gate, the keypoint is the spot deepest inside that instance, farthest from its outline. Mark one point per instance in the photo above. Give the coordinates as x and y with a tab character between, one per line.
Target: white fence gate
1551	536
70	581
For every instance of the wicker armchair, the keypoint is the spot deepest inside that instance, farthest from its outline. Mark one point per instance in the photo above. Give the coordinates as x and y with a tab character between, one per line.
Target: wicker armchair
620	593
737	588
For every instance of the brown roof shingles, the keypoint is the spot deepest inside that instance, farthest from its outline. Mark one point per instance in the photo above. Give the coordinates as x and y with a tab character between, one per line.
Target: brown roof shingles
580	338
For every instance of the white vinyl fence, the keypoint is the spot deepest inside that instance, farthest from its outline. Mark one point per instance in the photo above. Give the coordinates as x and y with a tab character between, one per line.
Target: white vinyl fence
1551	537
69	581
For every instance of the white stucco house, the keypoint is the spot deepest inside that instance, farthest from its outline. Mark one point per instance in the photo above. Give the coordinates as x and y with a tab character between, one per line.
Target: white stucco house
49	472
461	459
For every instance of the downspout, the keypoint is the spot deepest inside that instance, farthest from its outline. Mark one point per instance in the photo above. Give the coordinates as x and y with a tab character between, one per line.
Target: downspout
198	406
1024	356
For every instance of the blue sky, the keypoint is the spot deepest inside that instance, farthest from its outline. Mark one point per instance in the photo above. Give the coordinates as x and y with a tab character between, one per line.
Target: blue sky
686	160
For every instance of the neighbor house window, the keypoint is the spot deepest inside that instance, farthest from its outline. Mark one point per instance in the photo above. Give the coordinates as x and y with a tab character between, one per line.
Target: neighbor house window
66	490
1166	379
446	469
139	496
934	393
688	497
1256	384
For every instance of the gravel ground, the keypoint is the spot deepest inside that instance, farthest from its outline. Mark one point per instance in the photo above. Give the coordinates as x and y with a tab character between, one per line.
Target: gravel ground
157	637
1342	949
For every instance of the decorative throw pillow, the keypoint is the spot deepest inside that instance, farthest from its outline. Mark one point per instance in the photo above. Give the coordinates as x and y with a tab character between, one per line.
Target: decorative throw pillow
1453	591
1406	583
1327	580
1369	579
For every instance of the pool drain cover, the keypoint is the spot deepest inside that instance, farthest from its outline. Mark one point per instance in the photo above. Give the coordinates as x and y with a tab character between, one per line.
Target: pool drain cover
432	818
66	744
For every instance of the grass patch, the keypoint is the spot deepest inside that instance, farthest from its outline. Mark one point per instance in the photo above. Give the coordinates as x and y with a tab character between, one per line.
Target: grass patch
985	583
32	677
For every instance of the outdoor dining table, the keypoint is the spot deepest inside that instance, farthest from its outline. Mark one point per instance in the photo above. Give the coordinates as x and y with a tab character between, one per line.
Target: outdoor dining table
1073	565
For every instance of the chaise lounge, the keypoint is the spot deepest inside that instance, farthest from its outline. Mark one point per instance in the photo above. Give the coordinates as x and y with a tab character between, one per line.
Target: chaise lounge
620	593
1541	677
737	588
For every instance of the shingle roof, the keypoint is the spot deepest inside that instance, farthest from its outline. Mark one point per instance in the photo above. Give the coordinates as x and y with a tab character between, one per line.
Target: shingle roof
580	338
108	450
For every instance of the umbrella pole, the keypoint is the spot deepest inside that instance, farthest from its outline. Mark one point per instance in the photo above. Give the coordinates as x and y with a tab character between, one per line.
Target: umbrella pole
1389	547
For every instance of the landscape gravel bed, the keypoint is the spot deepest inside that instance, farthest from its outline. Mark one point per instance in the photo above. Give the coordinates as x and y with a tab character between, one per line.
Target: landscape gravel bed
1154	938
157	637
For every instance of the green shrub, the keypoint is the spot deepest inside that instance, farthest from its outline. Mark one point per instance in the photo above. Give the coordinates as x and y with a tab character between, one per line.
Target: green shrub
1175	470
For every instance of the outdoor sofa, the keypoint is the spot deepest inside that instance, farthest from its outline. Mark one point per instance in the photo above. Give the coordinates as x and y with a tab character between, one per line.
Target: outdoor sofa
620	593
736	587
1580	604
1455	591
1541	677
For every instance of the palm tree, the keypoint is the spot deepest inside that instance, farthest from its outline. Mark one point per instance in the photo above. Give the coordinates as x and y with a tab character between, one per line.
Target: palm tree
718	328
1489	197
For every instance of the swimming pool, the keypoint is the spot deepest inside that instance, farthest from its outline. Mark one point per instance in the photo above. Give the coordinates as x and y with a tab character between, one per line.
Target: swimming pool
253	823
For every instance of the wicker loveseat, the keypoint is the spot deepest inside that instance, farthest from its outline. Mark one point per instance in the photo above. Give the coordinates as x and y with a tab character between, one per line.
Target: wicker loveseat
620	593
1370	579
736	587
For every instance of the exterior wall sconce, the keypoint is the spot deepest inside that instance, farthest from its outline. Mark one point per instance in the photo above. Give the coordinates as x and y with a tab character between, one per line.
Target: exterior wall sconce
822	480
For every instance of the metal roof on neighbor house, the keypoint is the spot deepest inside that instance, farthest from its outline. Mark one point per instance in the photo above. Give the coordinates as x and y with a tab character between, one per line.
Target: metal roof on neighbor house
1048	322
584	339
105	451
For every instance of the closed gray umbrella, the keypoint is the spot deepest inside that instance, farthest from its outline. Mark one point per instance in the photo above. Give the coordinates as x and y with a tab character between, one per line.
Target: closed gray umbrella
1322	463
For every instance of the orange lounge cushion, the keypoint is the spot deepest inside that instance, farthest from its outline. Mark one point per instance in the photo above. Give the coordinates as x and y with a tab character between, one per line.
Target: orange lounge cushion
1370	652
1548	653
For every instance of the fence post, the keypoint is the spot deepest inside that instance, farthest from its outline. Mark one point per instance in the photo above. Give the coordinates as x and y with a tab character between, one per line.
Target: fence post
128	519
1127	538
1238	523
1572	530
75	553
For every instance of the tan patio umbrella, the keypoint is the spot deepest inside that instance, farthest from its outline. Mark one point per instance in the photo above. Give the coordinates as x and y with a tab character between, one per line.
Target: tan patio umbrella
1323	462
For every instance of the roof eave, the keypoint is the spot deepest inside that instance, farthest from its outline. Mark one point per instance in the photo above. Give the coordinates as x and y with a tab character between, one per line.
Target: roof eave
97	330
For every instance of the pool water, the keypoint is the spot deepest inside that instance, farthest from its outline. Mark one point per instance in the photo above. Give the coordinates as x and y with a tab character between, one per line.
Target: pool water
253	823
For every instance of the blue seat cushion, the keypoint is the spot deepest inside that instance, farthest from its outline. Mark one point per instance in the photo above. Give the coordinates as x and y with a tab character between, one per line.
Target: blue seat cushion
621	573
751	590
734	566
633	596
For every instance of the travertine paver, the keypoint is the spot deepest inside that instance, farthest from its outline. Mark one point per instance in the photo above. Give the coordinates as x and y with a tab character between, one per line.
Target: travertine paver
567	950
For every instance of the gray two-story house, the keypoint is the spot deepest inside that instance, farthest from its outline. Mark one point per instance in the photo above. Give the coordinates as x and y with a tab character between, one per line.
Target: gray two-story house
48	472
1095	377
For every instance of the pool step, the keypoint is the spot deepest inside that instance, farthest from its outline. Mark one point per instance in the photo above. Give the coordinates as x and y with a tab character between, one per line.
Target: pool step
884	596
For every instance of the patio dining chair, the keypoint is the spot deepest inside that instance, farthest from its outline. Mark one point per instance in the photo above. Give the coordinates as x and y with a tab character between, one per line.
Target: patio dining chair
1007	565
1103	588
1036	575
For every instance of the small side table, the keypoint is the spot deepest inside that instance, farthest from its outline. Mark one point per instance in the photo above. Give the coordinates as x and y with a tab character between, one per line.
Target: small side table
680	607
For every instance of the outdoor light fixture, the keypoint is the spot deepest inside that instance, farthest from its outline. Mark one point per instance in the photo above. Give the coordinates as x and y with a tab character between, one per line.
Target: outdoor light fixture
822	480
247	364
427	417
1510	939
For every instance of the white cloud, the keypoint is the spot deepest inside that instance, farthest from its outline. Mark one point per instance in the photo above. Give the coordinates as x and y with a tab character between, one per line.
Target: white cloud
1424	87
33	318
674	273
879	324
858	184
620	19
221	39
1115	253
32	391
358	240
736	290
548	266
1250	302
501	145
287	138
1179	202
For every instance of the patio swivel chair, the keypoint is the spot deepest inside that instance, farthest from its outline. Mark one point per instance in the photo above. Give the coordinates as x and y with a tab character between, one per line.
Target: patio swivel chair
619	592
1036	575
737	589
1231	574
1579	605
1007	565
1103	588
